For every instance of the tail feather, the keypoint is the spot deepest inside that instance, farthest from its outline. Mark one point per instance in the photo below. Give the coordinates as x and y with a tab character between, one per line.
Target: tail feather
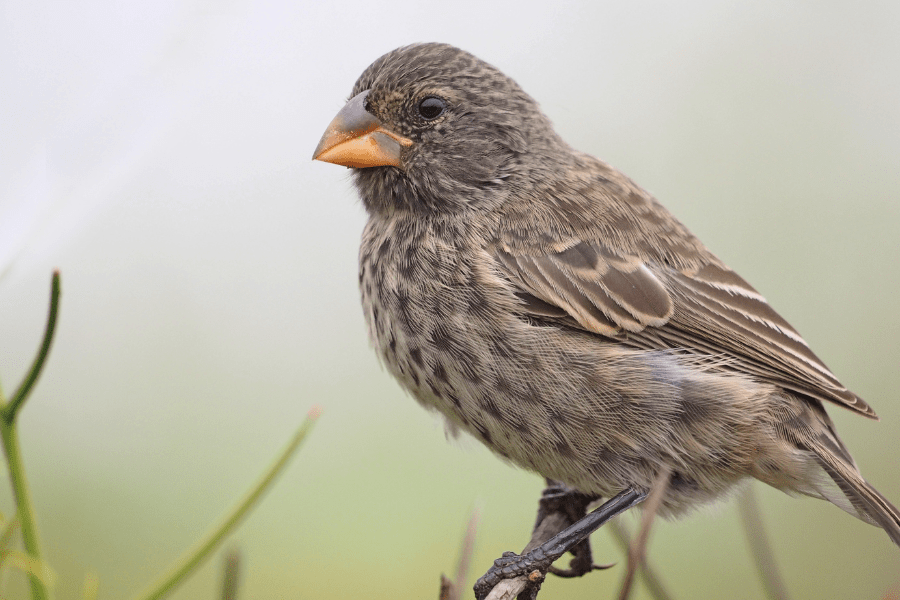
859	498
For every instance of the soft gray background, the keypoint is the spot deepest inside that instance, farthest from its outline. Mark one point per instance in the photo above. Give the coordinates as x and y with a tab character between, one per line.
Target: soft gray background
158	153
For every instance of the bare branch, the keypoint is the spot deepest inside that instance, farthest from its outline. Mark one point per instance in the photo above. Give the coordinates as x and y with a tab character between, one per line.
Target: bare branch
648	573
452	589
530	567
231	574
550	525
760	546
637	550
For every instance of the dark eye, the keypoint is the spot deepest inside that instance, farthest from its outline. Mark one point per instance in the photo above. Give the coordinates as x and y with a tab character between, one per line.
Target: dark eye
431	108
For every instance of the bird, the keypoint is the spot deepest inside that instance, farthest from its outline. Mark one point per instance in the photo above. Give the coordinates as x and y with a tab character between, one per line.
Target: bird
549	306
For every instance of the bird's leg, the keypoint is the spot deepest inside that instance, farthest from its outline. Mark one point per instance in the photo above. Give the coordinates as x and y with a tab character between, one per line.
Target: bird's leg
559	507
539	559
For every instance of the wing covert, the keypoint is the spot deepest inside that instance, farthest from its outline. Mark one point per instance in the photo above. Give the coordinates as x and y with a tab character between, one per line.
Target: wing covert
706	310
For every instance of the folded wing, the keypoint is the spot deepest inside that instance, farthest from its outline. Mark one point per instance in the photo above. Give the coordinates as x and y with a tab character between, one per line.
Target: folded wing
707	310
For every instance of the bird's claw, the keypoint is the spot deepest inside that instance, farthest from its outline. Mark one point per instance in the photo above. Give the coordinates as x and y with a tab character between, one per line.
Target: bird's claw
577	571
534	564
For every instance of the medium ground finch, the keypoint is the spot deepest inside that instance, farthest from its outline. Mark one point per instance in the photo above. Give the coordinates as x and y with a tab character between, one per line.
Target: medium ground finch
549	306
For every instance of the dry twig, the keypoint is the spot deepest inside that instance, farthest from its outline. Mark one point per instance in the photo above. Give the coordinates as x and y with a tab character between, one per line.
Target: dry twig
760	546
231	574
648	573
637	550
523	574
452	589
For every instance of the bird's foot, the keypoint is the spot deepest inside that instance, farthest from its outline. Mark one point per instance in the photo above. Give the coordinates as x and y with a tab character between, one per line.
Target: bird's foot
534	564
560	498
579	566
569	505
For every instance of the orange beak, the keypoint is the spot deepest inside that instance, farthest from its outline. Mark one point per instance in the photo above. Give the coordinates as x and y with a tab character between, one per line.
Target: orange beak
355	138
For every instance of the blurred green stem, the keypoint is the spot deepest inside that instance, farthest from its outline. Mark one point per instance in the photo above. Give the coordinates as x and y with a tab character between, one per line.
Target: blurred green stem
23	502
194	557
11	410
12	448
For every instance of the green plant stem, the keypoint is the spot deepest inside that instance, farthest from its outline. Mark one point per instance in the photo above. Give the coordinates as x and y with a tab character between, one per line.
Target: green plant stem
23	501
194	557
15	403
8	530
11	446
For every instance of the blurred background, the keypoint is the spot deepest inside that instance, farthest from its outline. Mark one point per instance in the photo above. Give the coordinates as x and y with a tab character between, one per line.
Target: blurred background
158	153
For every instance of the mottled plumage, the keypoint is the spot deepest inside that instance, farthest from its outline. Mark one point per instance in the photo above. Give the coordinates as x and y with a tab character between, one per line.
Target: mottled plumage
546	304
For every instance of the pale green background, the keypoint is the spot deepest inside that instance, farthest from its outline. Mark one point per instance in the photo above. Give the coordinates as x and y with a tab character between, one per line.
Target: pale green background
158	153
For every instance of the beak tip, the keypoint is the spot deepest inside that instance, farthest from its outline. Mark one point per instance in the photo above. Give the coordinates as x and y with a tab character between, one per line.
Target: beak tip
321	147
356	138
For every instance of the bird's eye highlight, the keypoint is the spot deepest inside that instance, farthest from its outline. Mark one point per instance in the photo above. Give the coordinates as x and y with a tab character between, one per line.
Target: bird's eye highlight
431	108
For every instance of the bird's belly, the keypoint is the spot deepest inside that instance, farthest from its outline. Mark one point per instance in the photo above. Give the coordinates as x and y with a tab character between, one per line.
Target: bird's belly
566	404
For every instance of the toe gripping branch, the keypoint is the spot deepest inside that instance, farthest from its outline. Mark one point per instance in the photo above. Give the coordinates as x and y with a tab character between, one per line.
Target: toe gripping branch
568	506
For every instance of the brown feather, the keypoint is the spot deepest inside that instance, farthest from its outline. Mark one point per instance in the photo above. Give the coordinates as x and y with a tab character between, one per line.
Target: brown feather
546	304
703	310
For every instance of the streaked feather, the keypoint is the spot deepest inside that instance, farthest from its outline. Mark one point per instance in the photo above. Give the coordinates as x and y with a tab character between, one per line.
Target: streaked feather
708	310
